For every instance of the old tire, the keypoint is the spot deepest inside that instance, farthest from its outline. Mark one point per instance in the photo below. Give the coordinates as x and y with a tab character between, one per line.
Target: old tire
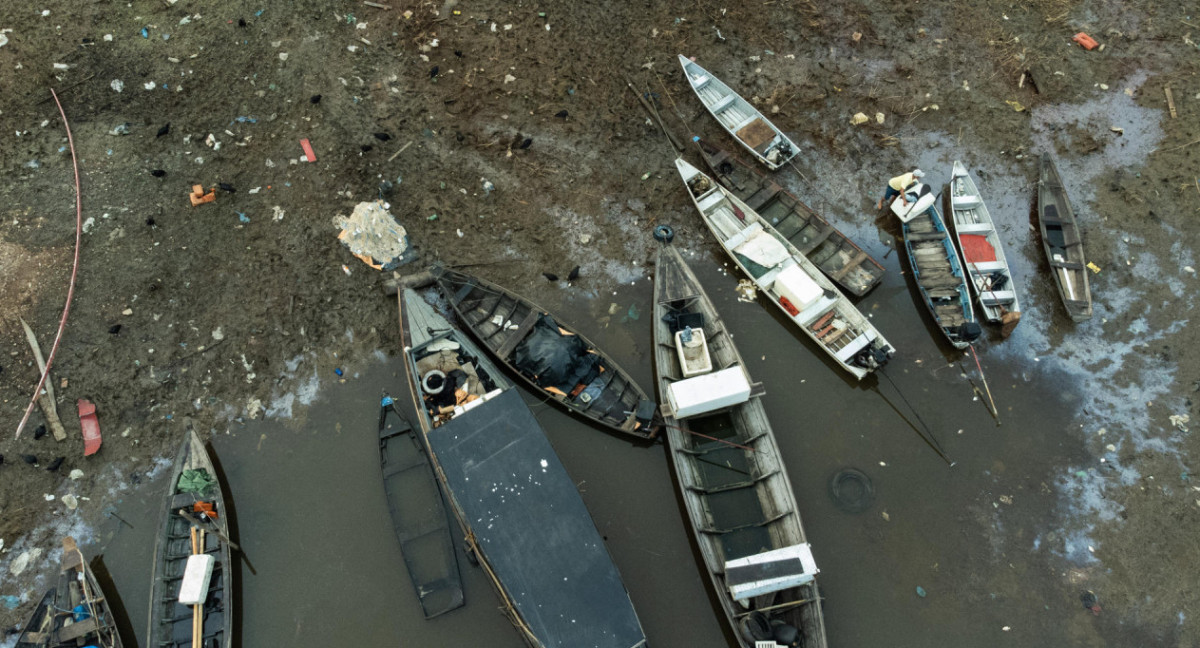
664	234
851	490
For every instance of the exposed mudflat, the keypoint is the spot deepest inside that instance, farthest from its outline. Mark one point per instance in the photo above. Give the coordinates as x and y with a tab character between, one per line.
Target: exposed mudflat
503	135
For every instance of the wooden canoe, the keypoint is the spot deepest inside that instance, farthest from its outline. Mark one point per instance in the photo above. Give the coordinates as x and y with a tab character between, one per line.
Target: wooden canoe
418	516
982	252
739	117
508	326
793	283
519	510
170	622
730	475
938	272
75	613
837	256
1062	243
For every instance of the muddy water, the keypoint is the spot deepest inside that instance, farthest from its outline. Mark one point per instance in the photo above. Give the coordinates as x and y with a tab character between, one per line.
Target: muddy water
311	515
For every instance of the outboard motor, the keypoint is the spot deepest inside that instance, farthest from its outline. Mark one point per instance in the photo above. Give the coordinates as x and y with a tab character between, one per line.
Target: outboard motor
968	331
785	634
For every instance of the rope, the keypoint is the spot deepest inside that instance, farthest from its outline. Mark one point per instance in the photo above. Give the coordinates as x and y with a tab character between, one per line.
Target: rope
928	434
62	324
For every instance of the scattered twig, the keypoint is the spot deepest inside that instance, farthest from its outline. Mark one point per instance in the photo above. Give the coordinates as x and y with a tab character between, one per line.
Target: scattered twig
397	153
62	324
47	400
376	5
1176	148
1170	101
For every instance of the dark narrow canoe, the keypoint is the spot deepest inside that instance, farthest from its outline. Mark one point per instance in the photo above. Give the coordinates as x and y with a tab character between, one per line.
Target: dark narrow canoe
418	516
75	613
939	273
732	479
170	624
837	256
506	325
519	510
1062	243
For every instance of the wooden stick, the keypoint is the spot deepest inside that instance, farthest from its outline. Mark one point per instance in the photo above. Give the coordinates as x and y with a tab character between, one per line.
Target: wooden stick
1170	101
982	377
195	608
199	640
46	401
397	153
220	536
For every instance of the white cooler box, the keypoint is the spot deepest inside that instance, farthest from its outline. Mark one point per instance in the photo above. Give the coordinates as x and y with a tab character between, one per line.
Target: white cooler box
708	392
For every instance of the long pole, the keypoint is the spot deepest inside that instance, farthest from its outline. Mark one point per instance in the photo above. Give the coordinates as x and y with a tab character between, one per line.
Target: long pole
995	414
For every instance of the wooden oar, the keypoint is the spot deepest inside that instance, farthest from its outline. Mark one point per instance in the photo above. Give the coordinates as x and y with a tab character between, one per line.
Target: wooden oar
995	414
196	609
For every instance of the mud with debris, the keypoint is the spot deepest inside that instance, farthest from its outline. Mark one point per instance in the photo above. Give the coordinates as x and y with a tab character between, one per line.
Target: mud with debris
505	136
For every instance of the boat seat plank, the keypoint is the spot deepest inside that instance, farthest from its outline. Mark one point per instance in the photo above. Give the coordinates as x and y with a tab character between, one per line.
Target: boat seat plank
757	389
817	240
1067	265
183	500
944	281
463	291
523	329
850	265
77	630
931	236
997	297
724	103
765	194
857	344
986	266
974	228
763	571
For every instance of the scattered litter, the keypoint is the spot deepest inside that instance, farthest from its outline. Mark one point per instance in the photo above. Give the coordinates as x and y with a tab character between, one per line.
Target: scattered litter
149	85
76	474
71	501
1116	129
243	218
309	155
117	85
879	118
1085	41
338	371
859	118
1016	105
460	233
61	66
1189	269
920	591
488	187
856	36
10	602
3	42
1103	86
198	197
374	236
746	291
19	564
1093	267
278	213
1180	421
89	224
90	425
1006	499
886	517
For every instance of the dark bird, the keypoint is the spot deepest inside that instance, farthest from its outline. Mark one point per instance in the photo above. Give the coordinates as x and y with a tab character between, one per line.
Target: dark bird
458	53
574	274
527	143
225	186
382	137
316	99
29	459
55	464
562	114
158	173
366	147
550	275
1	460
164	130
433	72
39	432
150	221
114	329
241	22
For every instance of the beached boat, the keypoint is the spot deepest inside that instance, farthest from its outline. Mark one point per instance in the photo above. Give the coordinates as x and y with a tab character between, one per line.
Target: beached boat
837	256
936	267
519	510
794	284
729	471
418	516
982	252
548	354
75	613
191	586
1062	243
739	118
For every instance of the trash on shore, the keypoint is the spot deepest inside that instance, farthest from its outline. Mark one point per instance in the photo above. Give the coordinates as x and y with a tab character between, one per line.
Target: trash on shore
1085	41
859	118
90	425
198	197
374	236
309	154
746	291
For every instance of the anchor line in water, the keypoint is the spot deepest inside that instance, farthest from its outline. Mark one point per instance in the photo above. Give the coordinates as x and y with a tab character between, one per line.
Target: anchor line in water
927	435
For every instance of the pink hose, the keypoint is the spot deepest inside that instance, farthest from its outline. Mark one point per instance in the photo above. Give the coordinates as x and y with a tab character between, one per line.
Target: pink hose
62	323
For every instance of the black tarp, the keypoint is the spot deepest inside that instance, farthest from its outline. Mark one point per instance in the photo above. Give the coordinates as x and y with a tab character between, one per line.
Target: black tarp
553	359
533	528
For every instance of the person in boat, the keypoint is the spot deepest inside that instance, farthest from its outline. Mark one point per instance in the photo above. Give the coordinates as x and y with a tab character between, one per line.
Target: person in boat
899	186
